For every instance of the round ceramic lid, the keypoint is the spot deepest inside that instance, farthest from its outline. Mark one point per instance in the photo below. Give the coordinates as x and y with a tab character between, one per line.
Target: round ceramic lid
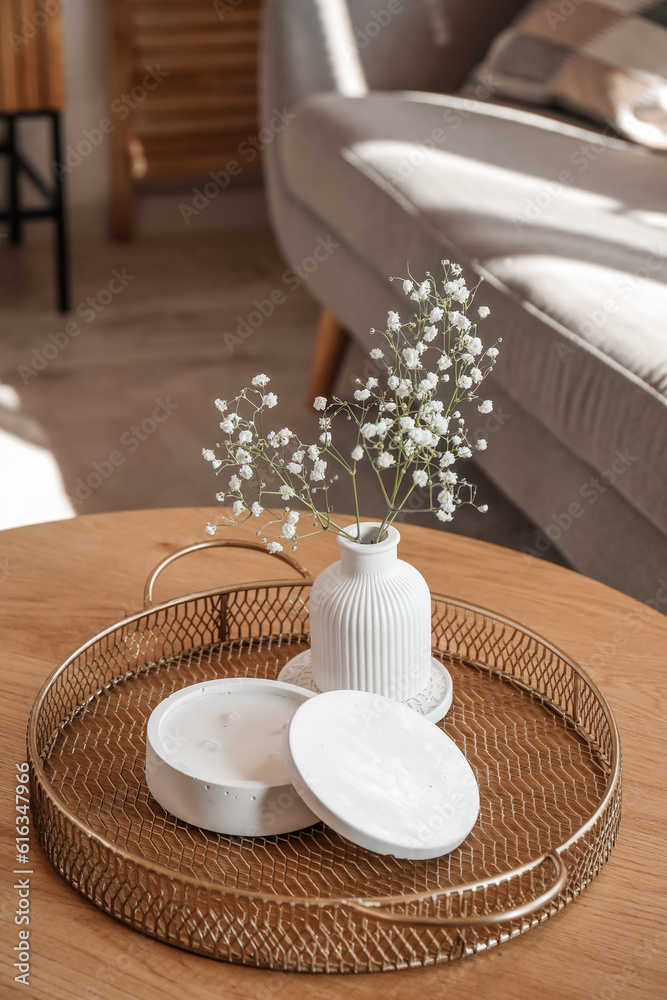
381	775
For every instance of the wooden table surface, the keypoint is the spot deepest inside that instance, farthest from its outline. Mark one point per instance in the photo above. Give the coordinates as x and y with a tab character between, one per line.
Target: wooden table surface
60	583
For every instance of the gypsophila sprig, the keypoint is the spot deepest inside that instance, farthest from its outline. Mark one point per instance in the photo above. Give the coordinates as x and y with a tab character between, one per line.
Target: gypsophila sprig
411	432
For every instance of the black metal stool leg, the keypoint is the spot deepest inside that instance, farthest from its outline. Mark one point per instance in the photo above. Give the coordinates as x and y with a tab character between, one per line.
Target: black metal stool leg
62	253
14	194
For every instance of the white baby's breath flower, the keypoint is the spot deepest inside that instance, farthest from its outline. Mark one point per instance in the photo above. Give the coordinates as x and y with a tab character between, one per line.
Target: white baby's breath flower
320	403
446	501
274	547
326	438
294	468
313	453
460	321
208	454
269	400
298	456
483	509
361	395
376	354
411	357
368	430
319	469
444	362
442	515
235	484
227	425
465	452
404	388
293	517
245	437
220	497
419	477
485	406
358	453
423	291
430	333
211	528
447	459
221	405
457	289
476	375
238	507
393	321
481	444
464	381
483	312
393	382
440	424
242	456
474	345
436	314
371	383
385	460
286	492
289	531
408	286
245	472
492	352
256	509
449	478
260	381
424	437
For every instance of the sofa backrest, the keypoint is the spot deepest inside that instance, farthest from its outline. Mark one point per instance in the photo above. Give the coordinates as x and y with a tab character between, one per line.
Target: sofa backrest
349	45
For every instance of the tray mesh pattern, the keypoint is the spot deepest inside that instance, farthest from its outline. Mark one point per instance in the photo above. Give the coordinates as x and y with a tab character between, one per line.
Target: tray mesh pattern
536	731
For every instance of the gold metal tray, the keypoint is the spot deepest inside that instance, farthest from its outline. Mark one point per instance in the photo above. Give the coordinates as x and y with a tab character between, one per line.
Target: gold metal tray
538	733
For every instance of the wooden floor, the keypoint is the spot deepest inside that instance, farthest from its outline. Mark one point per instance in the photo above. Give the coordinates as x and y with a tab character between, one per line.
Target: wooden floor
124	406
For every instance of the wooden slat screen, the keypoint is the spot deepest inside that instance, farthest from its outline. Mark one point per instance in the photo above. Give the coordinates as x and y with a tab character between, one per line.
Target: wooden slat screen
31	62
198	115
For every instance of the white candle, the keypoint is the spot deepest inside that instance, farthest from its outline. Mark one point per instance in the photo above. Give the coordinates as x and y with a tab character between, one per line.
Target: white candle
229	737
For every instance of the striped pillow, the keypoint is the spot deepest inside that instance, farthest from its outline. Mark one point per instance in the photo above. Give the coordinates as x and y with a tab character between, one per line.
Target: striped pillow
605	59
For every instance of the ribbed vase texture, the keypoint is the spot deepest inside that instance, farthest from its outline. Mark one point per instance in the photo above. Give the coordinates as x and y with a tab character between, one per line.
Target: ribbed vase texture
370	620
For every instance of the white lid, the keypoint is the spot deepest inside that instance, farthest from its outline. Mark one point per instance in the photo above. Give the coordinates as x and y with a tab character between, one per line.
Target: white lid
381	775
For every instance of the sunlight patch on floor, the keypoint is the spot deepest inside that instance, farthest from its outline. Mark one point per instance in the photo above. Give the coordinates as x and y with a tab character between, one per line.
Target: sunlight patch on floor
31	487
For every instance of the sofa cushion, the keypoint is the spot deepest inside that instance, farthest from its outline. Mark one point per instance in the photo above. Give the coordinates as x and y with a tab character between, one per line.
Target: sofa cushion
603	59
569	227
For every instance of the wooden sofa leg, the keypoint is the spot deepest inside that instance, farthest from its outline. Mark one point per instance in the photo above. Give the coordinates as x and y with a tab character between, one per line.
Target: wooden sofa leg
330	348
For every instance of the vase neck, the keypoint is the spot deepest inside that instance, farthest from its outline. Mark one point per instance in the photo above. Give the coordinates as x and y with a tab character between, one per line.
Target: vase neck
369	558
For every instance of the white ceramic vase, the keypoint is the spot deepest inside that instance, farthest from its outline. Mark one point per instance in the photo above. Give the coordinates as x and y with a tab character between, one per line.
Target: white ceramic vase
370	620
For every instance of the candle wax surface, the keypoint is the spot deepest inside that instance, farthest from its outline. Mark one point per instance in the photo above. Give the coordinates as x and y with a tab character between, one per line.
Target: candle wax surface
230	737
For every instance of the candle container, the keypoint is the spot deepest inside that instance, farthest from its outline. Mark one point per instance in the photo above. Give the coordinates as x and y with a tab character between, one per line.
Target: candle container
214	757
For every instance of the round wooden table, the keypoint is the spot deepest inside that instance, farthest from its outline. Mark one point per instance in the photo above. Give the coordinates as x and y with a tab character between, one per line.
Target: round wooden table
60	583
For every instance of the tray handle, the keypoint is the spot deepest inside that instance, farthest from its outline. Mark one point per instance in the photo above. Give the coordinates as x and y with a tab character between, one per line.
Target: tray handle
217	544
375	912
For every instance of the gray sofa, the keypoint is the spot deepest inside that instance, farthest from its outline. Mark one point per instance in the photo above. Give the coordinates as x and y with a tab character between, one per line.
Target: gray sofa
568	227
